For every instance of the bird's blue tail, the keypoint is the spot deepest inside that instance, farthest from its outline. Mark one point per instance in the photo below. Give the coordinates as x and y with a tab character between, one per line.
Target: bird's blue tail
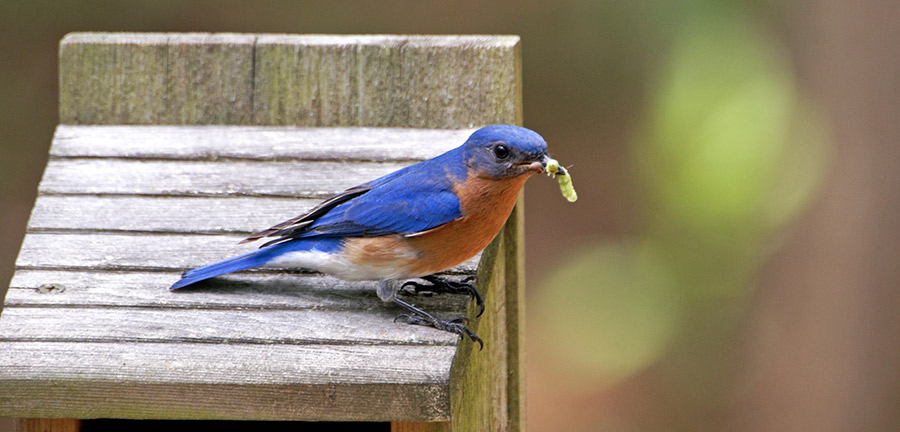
250	260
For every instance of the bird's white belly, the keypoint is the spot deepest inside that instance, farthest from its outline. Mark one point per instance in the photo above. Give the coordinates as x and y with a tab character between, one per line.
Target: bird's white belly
339	265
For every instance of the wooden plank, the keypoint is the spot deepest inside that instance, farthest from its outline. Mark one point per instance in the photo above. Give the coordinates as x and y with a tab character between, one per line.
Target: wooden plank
160	362
307	80
223	178
245	290
48	425
405	81
107	78
484	94
327	82
421	427
215	142
513	238
115	251
196	215
209	78
192	78
263	326
173	215
100	251
225	381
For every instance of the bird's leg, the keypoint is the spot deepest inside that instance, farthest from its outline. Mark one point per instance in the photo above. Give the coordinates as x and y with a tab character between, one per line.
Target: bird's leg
441	285
419	317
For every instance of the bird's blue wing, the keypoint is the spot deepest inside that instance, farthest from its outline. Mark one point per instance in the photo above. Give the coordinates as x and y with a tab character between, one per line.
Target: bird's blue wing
414	199
412	210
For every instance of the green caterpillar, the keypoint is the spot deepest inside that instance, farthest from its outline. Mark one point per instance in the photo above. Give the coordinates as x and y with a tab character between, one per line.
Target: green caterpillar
565	180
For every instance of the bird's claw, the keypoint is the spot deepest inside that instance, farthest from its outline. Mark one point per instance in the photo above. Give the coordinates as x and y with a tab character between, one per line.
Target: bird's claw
456	325
441	285
460	329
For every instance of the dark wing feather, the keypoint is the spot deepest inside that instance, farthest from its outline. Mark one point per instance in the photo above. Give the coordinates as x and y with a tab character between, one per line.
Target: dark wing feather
299	223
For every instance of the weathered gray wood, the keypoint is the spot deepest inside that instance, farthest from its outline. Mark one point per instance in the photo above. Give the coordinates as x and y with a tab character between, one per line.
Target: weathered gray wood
254	143
197	215
209	78
222	178
421	426
115	251
156	362
513	243
305	80
159	78
47	425
409	81
374	326
109	78
246	290
287	382
327	83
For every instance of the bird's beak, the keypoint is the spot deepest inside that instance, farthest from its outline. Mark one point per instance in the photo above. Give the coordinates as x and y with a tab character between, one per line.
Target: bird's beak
536	167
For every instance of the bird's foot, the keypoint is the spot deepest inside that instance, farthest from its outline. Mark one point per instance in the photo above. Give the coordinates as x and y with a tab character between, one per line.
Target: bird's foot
419	317
440	285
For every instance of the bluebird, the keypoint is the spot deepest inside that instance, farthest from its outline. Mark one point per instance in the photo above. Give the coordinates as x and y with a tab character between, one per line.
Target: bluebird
409	224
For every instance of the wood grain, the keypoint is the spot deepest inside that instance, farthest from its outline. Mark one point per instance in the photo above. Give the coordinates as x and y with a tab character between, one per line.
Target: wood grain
310	326
304	80
421	426
408	81
255	143
109	78
209	78
200	178
48	425
253	290
164	214
130	251
226	381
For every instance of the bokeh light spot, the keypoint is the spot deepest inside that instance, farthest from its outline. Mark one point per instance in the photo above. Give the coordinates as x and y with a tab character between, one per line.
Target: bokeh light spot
607	312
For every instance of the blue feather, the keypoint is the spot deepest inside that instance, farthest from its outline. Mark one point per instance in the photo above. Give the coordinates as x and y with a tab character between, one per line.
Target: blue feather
417	198
254	259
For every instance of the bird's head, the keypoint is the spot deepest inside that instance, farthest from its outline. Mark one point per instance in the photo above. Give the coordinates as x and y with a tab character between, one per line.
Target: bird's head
503	151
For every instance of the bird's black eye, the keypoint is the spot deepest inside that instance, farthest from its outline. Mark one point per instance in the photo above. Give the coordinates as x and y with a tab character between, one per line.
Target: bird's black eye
501	151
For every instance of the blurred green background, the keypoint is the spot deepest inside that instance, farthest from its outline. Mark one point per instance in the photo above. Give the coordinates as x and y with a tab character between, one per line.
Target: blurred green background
732	262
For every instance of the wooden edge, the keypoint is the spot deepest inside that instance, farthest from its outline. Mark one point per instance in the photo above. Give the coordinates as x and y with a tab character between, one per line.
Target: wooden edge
420	427
153	38
246	78
514	245
385	39
47	425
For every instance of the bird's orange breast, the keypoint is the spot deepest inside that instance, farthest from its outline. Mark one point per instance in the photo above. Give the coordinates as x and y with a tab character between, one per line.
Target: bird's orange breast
485	205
